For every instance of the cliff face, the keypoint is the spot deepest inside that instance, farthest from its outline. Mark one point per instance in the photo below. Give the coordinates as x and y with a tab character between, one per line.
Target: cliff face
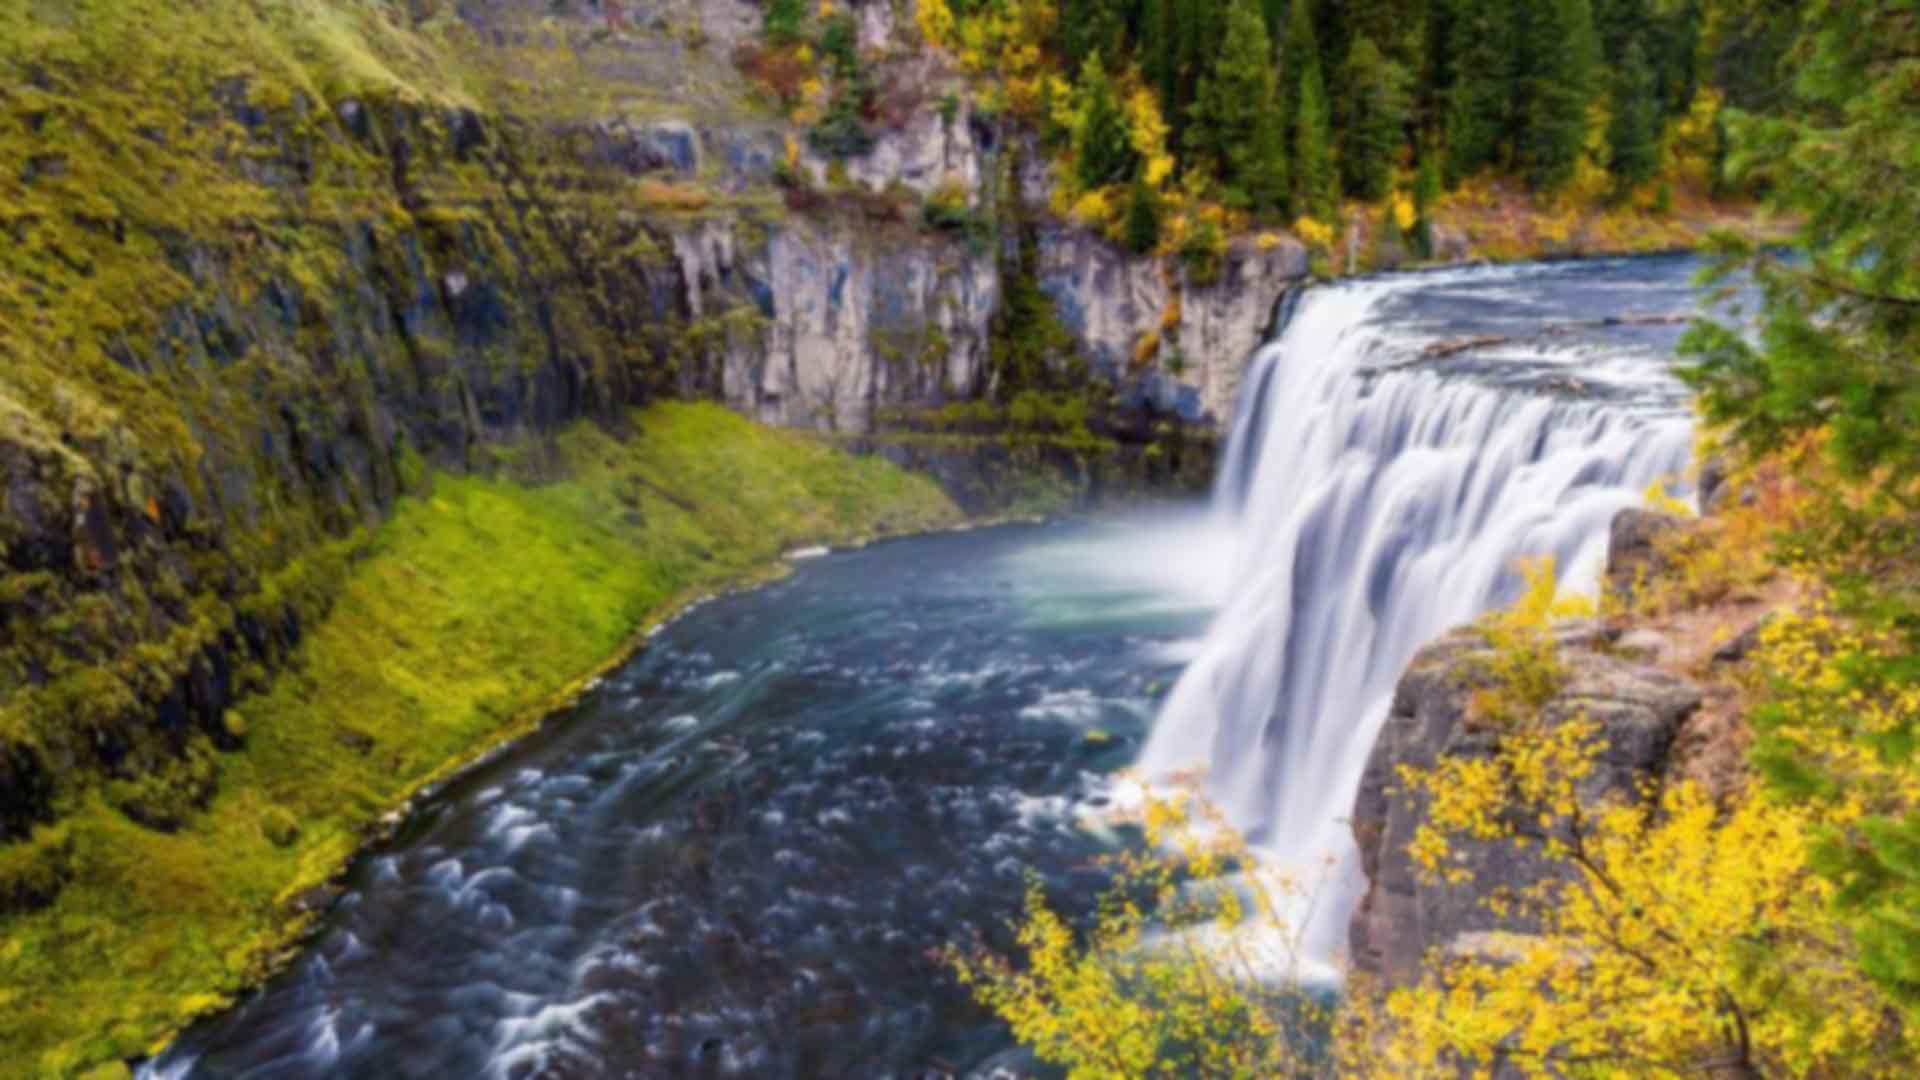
1406	919
265	274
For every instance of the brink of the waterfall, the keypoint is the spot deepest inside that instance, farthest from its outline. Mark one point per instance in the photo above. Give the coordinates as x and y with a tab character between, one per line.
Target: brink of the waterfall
1397	453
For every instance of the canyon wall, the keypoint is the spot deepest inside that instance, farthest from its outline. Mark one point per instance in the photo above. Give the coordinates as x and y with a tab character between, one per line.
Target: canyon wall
245	313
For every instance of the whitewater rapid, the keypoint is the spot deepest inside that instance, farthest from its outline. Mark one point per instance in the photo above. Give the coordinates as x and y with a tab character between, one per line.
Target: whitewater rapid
1378	494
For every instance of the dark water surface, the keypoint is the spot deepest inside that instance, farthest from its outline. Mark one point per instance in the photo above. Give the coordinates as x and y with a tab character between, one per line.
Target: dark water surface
741	855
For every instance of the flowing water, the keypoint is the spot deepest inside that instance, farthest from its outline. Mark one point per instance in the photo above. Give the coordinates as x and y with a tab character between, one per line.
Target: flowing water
741	854
1382	488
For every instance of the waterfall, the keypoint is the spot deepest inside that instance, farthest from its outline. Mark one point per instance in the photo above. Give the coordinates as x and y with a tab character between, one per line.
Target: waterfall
1376	502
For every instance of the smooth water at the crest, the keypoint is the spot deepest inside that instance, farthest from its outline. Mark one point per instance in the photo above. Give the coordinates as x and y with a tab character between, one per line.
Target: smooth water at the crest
1379	495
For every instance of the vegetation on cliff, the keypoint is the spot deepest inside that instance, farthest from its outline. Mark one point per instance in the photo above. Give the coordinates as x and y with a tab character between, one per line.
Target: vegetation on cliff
1598	120
322	332
456	624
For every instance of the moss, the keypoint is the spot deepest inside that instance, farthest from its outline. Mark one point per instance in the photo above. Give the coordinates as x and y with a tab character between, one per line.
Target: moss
457	623
33	871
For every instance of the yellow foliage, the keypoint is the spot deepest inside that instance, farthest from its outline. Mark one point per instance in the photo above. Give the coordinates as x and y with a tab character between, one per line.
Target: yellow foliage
1404	214
1692	140
1681	937
935	20
1127	1003
1093	209
1147	130
1313	233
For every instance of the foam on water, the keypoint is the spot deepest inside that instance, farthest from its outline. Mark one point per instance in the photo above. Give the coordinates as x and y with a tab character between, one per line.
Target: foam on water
1374	502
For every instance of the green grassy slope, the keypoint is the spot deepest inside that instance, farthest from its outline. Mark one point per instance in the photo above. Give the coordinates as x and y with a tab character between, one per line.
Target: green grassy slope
457	622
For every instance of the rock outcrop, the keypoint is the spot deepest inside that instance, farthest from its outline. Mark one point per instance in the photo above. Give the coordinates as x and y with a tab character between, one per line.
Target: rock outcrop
1404	917
1634	552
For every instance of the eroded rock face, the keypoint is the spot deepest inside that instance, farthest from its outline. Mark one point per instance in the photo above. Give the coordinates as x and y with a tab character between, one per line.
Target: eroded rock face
1403	918
1633	548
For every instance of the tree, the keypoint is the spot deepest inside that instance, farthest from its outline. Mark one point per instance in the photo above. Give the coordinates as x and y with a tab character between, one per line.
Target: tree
1103	152
1316	187
1478	102
1237	127
1427	190
1557	58
1833	363
1633	134
1140	228
1299	50
785	21
1091	27
1668	935
1376	121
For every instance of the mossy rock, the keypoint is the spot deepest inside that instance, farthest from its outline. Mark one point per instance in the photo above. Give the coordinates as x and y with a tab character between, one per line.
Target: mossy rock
33	871
280	827
162	799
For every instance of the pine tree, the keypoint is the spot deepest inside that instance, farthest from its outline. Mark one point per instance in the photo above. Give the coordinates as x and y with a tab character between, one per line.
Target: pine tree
1479	99
1557	58
1237	128
1633	136
1087	27
1834	359
1103	150
1316	188
1141	226
1376	121
1427	190
1159	57
1299	50
784	22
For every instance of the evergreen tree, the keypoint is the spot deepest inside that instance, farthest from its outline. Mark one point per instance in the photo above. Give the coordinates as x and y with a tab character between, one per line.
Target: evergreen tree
1479	99
1633	136
1376	121
1835	357
1237	128
785	20
1141	226
1159	50
1299	50
1557	58
1316	188
1087	27
1103	149
1427	189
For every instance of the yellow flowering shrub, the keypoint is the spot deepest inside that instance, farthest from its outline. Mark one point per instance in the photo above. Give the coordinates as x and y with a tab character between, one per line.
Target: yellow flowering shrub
1124	1000
934	20
1684	936
1314	233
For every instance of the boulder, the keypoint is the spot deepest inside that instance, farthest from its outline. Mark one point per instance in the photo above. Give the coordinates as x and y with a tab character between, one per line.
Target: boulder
1634	552
1403	917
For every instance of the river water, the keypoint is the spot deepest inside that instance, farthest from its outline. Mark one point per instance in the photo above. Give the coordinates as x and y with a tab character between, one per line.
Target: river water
741	854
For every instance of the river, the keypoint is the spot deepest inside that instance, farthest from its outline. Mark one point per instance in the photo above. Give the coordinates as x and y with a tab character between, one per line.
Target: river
741	854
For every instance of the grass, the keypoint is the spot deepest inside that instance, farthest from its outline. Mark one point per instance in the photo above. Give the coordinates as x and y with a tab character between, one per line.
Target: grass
459	622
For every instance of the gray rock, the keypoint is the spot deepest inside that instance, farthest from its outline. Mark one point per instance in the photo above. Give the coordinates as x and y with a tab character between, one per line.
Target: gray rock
1633	548
1404	918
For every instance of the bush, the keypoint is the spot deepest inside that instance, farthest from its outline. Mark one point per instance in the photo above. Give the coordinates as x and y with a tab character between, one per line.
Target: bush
1204	253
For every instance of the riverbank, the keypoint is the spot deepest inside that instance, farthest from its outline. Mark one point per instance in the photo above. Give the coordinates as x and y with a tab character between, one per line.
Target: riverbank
461	621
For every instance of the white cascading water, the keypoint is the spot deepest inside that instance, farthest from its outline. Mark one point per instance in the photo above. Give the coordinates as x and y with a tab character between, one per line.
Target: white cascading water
1374	507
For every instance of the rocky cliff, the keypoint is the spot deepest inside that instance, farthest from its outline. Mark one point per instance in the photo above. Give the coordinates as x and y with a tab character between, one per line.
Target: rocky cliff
1661	680
268	270
1406	918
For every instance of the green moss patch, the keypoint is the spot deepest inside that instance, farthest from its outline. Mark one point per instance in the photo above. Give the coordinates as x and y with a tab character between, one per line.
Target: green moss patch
459	621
